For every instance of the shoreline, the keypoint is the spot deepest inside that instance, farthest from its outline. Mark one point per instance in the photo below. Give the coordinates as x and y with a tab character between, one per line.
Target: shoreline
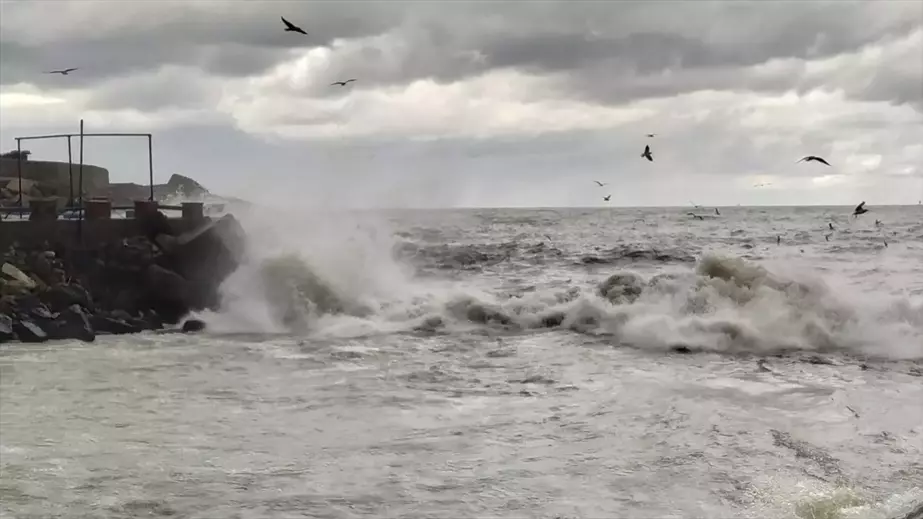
53	288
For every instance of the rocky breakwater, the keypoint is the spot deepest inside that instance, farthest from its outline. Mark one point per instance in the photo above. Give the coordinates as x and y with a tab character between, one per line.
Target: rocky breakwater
144	282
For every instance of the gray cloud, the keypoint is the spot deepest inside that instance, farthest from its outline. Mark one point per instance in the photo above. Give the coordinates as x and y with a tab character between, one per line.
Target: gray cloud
613	52
689	65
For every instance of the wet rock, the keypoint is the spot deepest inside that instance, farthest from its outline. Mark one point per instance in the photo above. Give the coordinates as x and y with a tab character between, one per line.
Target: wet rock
193	325
28	331
6	328
622	287
42	312
553	320
113	326
72	323
168	293
61	297
42	266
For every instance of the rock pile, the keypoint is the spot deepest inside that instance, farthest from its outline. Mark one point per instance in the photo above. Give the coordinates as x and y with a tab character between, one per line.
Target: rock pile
140	283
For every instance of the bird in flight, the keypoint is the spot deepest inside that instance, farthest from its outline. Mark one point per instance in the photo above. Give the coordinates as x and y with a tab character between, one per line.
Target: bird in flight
607	197
342	83
809	158
290	27
647	154
829	224
601	184
860	209
717	213
651	134
695	216
63	72
827	237
763	185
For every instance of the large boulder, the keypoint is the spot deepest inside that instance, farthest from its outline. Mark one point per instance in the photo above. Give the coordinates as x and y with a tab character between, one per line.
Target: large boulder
60	297
28	331
109	324
72	323
169	294
206	256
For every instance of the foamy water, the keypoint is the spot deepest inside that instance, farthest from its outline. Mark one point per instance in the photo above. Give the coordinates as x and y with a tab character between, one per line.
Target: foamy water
503	363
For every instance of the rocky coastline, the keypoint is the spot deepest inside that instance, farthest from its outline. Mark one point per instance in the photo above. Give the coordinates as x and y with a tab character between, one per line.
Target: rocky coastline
145	282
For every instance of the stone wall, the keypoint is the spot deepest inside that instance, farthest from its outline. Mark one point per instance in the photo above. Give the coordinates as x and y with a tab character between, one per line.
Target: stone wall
95	230
58	174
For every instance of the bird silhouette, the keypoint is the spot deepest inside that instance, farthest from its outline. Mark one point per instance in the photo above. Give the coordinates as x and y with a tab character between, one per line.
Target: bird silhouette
601	184
290	27
827	237
647	154
831	226
809	158
763	185
860	209
342	83
651	134
63	72
718	213
607	197
695	216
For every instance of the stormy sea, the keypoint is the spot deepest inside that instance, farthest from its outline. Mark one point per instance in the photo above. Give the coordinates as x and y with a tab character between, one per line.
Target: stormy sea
502	363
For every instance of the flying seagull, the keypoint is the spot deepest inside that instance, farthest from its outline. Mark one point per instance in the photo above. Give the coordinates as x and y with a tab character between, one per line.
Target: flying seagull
607	197
717	213
290	27
601	184
827	236
809	158
860	209
651	134
342	83
62	72
647	154
829	224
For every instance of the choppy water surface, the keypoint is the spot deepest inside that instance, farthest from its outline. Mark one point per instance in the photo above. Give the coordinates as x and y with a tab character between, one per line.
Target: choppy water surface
490	364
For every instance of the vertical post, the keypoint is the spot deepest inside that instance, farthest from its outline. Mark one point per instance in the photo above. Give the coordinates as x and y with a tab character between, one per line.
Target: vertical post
150	165
19	170
70	174
80	186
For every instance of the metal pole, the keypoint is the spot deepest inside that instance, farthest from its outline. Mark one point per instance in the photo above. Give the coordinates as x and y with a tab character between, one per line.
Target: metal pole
70	174
80	187
19	171
150	165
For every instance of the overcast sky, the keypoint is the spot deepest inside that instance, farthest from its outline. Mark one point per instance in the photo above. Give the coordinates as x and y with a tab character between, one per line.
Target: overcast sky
482	103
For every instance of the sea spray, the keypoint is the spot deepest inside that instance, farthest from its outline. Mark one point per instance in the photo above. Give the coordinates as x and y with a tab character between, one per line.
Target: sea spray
308	273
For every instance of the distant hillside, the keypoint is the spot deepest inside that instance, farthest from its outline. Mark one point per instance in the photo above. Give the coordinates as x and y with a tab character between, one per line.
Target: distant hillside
178	185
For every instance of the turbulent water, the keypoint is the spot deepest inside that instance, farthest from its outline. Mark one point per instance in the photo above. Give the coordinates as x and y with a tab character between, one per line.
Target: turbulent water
503	363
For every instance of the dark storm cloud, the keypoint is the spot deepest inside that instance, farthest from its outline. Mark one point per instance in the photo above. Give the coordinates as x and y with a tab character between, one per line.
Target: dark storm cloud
230	38
609	51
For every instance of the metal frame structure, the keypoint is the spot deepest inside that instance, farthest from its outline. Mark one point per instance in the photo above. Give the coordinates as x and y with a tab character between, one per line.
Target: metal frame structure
81	135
